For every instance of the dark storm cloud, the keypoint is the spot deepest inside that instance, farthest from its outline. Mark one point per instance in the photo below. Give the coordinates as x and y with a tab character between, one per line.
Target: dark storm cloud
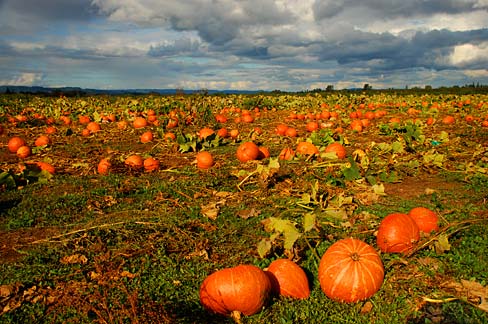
396	8
390	52
51	9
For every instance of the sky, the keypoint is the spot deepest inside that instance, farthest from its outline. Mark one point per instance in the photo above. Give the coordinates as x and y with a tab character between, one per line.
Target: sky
288	45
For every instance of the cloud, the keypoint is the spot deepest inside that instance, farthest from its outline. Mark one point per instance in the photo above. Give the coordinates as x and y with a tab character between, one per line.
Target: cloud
24	79
326	9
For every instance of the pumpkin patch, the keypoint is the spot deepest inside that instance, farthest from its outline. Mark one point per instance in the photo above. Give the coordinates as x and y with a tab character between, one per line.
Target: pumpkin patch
278	207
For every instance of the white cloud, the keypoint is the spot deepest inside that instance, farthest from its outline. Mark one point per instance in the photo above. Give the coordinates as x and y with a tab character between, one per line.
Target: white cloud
469	53
24	79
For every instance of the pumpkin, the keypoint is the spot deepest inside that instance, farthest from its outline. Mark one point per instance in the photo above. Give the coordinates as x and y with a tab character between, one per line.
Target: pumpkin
288	279
134	161
205	132
223	132
169	136
281	129
83	119
448	120
426	219
42	140
247	151
139	122
85	132
151	164
23	152
307	148
397	233
104	166
146	137
286	154
244	289
93	126
234	133
336	148
312	126
204	160
350	270
263	153
291	132
14	143
46	167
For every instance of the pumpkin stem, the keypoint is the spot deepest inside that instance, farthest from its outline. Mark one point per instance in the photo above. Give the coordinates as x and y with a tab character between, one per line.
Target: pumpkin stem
355	256
236	316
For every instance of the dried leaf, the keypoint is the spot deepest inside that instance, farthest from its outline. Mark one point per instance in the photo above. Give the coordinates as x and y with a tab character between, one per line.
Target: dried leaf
367	308
74	259
248	213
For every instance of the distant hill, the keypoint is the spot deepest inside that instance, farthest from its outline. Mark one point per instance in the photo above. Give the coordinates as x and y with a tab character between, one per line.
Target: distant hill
87	91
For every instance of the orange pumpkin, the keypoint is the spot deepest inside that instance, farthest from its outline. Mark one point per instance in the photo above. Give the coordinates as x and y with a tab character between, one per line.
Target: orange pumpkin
93	126
134	161
205	132
23	152
139	122
286	154
336	148
42	140
14	143
350	270
307	148
151	164
247	151
397	233
147	137
426	219
244	289
204	160
288	279
104	166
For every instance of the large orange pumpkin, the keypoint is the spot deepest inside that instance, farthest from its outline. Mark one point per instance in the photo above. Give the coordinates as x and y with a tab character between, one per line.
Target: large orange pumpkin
288	279
247	151
397	233
350	270
244	288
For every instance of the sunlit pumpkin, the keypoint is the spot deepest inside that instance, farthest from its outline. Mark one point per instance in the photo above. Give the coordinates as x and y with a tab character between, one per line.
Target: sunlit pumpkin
426	219
336	148
104	166
204	160
14	143
42	140
397	233
350	271
306	148
134	161
146	137
151	164
244	289
288	279
23	151
247	151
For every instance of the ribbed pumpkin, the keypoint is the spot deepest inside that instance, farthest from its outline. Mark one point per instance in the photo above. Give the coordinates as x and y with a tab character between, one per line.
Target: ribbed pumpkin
244	289
350	270
397	233
288	279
